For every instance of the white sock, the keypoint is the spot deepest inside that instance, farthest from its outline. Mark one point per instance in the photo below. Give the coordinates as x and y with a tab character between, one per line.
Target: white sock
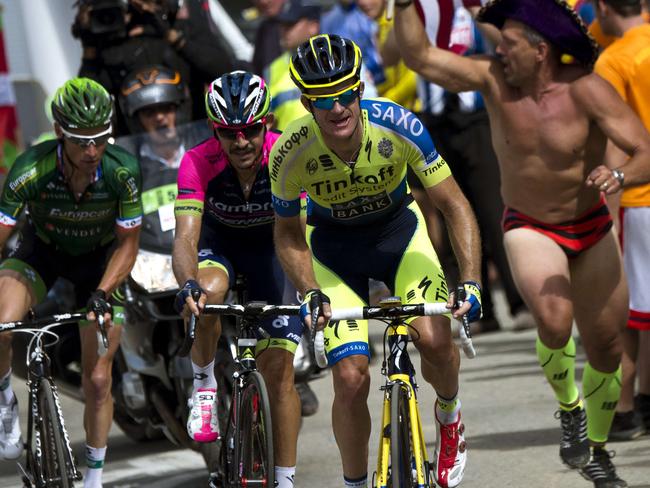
95	462
447	410
6	392
357	483
204	376
284	476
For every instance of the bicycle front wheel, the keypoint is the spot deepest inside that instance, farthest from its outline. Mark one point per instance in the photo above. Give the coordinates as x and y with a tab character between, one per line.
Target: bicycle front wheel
256	464
53	447
401	445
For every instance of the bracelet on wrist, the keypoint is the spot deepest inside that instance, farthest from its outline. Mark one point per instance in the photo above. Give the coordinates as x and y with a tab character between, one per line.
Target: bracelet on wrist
619	175
403	3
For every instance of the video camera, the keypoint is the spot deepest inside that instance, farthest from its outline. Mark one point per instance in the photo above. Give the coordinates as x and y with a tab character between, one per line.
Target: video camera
107	17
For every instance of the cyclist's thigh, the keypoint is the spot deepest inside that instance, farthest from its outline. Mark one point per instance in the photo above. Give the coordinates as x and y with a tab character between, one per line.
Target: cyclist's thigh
26	275
419	278
601	300
275	364
348	337
540	269
215	271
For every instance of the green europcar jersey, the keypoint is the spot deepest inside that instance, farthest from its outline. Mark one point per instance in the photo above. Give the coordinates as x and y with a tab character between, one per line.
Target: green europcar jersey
374	187
76	227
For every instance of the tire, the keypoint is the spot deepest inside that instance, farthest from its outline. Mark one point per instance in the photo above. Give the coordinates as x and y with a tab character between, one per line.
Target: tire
256	432
53	447
211	451
401	447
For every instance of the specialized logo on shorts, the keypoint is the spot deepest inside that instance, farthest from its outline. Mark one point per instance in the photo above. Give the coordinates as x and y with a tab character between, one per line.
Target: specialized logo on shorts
385	148
311	166
424	286
361	206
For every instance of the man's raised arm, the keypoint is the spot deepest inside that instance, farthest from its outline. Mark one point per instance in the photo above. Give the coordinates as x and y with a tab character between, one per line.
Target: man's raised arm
451	71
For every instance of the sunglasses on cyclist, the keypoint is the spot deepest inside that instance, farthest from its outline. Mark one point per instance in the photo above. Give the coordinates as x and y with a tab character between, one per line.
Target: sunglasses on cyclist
85	141
248	132
345	99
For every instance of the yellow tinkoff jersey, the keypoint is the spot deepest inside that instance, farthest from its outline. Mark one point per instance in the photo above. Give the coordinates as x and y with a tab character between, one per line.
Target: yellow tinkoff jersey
374	187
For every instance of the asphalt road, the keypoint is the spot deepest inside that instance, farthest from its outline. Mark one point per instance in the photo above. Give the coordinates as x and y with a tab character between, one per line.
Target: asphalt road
508	408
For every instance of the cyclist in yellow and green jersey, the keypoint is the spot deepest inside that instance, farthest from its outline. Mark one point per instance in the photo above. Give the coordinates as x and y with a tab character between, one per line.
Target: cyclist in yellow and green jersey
351	156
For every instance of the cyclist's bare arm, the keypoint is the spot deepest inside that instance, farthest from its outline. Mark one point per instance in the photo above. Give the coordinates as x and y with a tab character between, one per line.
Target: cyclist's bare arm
295	257
293	252
184	255
462	228
451	71
122	260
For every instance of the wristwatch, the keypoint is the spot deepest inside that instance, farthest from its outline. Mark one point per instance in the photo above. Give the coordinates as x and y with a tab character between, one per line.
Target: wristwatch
619	175
403	3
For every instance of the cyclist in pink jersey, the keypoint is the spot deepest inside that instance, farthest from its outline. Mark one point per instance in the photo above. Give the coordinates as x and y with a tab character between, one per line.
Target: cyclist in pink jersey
224	225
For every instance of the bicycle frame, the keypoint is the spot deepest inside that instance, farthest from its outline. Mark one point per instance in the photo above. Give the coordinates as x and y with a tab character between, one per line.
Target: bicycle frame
397	368
38	371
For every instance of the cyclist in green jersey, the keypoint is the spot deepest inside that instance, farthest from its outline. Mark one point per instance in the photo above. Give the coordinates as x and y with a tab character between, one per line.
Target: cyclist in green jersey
83	198
351	156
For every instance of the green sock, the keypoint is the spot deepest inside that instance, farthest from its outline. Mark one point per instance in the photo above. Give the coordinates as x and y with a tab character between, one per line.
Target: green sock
601	392
559	368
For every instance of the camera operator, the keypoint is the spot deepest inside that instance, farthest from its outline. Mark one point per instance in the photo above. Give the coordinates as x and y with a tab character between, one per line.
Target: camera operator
120	36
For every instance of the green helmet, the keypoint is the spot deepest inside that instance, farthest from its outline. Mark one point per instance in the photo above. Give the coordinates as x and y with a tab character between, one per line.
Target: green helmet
82	103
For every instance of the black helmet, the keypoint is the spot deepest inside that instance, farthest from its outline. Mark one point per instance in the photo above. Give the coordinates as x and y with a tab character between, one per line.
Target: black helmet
151	85
324	61
236	99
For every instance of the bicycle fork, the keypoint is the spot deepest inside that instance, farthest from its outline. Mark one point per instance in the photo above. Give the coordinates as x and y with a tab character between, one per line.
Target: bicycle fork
400	370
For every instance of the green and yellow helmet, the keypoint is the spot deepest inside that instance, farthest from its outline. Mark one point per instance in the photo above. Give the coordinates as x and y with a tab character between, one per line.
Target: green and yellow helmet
325	61
82	103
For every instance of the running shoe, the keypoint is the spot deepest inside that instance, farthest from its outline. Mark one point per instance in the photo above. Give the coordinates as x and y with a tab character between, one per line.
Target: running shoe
601	471
11	442
451	453
626	426
574	445
202	423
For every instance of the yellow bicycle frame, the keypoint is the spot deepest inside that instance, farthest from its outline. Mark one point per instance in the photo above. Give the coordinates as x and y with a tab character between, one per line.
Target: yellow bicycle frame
399	374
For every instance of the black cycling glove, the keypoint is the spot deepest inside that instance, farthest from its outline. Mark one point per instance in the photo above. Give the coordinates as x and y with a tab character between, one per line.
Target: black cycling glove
98	304
191	288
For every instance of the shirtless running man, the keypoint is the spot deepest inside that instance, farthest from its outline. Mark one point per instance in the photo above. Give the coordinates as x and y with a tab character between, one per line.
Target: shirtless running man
550	124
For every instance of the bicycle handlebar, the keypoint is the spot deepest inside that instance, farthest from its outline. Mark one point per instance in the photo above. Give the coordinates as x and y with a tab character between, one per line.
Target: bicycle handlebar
251	310
416	310
62	318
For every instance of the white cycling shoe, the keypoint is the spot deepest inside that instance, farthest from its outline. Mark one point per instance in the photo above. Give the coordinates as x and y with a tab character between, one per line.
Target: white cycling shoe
202	423
11	442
